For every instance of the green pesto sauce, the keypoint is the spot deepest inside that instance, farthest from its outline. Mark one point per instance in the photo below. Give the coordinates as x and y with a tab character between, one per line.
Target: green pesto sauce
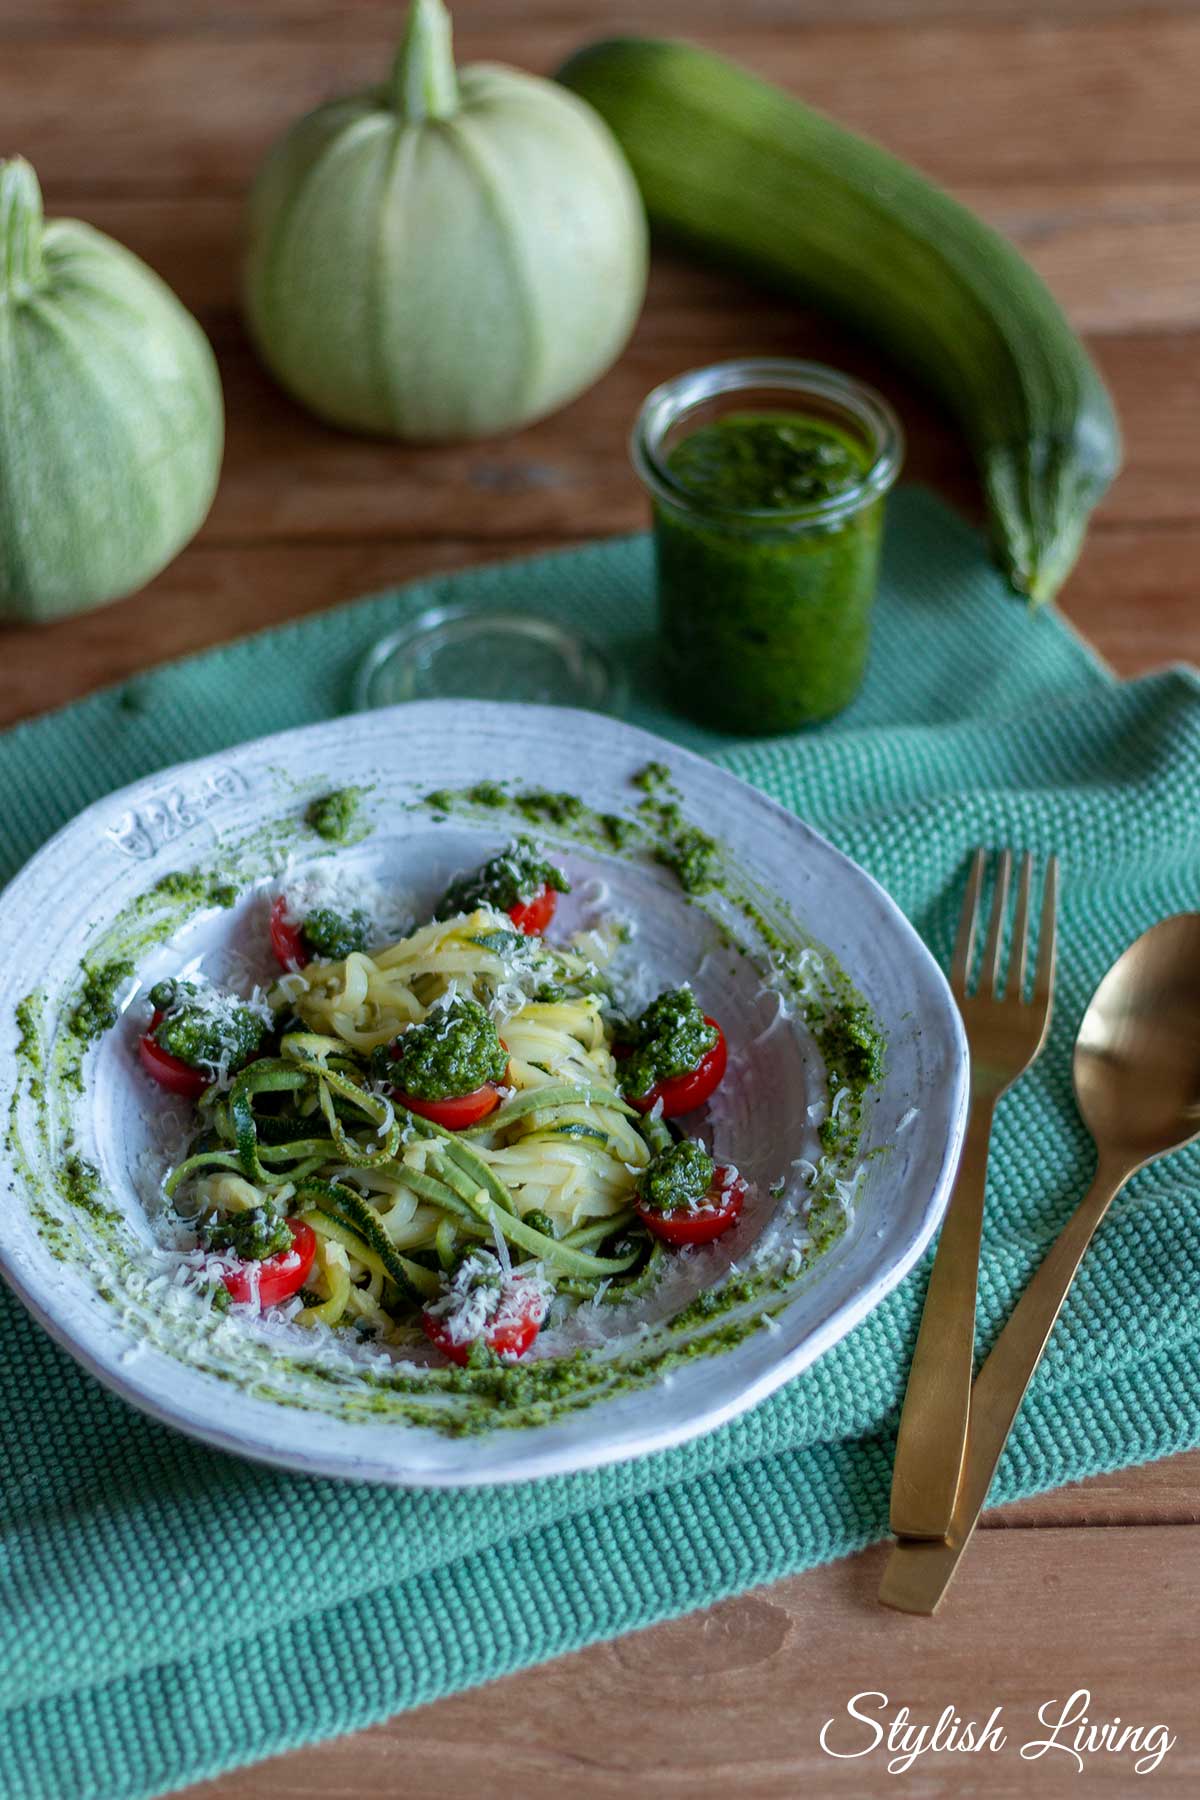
541	806
197	888
332	816
96	1009
619	832
677	1178
451	1052
195	1035
514	876
488	793
334	934
83	1188
852	1049
653	778
767	462
692	856
29	1045
672	1037
765	621
253	1235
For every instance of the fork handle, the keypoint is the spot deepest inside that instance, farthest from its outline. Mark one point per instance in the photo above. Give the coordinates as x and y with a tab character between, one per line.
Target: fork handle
933	1424
918	1574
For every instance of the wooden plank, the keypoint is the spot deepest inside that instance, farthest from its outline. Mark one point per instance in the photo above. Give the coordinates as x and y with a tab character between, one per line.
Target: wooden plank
734	1700
1134	596
1119	255
1100	97
81	19
1160	1493
208	596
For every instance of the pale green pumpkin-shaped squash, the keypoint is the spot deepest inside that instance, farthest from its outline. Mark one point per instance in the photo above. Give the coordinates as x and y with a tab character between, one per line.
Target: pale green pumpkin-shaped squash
447	257
111	421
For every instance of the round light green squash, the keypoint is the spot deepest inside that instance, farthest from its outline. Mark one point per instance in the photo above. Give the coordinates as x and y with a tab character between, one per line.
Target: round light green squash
446	257
111	422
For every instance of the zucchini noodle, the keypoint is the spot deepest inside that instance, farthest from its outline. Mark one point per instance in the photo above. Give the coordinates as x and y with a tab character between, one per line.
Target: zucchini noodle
547	1181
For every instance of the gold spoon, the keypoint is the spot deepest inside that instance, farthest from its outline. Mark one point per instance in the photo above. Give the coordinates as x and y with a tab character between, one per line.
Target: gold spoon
1137	1083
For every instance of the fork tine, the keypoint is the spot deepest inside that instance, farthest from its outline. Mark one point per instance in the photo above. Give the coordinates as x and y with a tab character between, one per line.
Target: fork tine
964	943
1018	963
989	974
1043	981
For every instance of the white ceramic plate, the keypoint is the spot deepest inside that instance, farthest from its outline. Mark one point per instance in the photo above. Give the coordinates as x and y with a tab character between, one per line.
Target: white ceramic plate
98	1284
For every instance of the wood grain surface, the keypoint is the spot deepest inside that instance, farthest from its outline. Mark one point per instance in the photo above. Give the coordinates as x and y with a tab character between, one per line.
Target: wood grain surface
1073	126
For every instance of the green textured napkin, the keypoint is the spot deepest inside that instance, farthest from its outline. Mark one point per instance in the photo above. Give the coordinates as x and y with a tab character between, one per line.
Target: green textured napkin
140	1648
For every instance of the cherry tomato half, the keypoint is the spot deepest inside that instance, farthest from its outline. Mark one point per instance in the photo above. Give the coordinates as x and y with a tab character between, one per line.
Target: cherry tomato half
684	1093
169	1071
510	1336
456	1112
279	1276
287	940
722	1208
533	916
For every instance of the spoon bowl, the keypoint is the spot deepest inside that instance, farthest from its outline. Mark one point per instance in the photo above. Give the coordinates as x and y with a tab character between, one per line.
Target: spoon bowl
1137	1057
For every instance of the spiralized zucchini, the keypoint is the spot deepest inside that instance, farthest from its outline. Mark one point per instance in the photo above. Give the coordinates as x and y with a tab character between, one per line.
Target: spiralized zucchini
395	1199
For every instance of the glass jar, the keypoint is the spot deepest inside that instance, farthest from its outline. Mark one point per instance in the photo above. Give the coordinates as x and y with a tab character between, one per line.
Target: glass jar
767	480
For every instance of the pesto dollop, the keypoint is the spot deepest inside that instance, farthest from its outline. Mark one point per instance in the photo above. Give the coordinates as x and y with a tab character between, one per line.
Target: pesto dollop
200	889
851	1044
677	1178
334	934
452	1051
852	1047
765	619
671	1037
513	877
333	814
96	1010
204	1028
693	857
252	1235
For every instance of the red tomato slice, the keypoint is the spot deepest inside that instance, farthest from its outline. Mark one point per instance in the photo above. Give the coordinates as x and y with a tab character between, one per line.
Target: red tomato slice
287	940
278	1276
169	1071
684	1093
510	1336
722	1208
456	1112
533	916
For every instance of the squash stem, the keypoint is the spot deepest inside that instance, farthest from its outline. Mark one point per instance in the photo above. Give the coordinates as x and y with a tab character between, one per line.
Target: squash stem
21	222
424	83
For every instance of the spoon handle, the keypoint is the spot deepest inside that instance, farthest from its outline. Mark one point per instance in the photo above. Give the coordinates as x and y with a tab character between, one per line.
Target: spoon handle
919	1572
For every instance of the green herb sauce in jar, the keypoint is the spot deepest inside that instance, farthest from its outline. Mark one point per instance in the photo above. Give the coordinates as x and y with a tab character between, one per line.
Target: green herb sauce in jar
768	524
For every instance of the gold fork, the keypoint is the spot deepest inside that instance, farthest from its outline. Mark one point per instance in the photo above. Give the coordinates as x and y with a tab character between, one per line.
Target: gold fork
1005	1032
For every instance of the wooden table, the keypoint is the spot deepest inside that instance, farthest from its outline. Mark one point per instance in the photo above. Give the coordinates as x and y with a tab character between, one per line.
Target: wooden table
1073	126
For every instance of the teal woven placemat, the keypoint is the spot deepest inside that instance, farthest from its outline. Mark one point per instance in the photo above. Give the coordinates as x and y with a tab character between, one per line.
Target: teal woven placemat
142	1645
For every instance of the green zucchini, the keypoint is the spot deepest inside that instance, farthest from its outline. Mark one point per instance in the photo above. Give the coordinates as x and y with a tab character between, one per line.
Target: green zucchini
740	169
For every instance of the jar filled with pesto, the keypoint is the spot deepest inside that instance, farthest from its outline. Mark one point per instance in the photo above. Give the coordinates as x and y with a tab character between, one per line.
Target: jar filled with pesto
767	480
